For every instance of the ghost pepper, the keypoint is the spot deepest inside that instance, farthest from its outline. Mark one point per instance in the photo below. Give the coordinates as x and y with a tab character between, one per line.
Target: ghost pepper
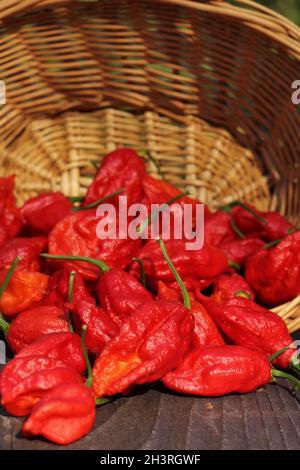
274	274
240	250
229	286
25	380
219	370
64	414
197	268
41	213
246	323
10	217
26	249
122	168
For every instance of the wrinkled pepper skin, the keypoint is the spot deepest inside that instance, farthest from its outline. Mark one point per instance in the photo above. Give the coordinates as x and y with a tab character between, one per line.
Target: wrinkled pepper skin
63	347
245	322
41	213
76	235
35	322
122	168
159	192
100	326
229	286
274	274
274	227
205	330
63	415
197	268
150	343
25	289
120	294
240	250
166	293
58	289
10	217
214	371
27	249
217	229
25	380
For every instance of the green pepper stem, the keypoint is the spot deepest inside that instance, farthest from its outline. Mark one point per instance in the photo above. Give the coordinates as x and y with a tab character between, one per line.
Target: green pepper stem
142	270
147	155
70	299
278	353
162	207
76	198
99	201
285	375
273	243
229	206
89	380
96	262
234	265
4	325
243	294
236	229
101	401
9	275
185	294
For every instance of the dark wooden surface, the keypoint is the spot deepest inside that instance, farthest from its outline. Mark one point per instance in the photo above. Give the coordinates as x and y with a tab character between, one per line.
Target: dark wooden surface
153	419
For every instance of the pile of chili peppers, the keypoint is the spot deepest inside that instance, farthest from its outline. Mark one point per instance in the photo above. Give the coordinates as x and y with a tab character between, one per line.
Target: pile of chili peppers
86	319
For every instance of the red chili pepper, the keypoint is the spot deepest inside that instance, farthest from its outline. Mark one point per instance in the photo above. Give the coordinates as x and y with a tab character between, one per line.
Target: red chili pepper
266	225
64	347
64	414
150	343
219	370
167	293
25	380
246	323
218	229
77	235
35	322
274	274
122	168
120	294
240	250
196	267
41	213
10	218
58	289
205	330
25	289
229	286
100	326
26	249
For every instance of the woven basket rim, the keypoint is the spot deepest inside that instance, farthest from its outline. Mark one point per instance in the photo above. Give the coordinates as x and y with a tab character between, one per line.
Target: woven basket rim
254	15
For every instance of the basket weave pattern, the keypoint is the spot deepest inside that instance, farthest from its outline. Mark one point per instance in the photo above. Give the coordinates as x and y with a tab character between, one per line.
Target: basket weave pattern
204	86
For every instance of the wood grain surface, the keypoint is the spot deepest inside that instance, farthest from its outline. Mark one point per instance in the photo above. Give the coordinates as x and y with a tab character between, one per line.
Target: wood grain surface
154	419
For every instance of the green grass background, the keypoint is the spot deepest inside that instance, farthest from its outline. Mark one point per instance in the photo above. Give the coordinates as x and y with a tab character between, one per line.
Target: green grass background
289	8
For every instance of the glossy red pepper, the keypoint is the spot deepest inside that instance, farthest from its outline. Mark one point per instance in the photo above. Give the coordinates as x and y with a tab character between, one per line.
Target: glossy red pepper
122	168
35	322
77	235
26	249
167	293
41	213
64	347
10	217
246	323
63	415
218	229
198	268
25	289
25	380
274	274
229	286
240	250
205	330
150	343
219	370
267	225
120	294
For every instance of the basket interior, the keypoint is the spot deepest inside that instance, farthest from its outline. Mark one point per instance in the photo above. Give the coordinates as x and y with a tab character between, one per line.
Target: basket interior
208	95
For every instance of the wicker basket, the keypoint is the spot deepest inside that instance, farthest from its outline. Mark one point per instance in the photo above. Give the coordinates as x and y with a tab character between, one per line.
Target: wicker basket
204	86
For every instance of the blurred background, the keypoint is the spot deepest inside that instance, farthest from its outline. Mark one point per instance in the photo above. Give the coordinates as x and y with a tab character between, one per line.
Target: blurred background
289	8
